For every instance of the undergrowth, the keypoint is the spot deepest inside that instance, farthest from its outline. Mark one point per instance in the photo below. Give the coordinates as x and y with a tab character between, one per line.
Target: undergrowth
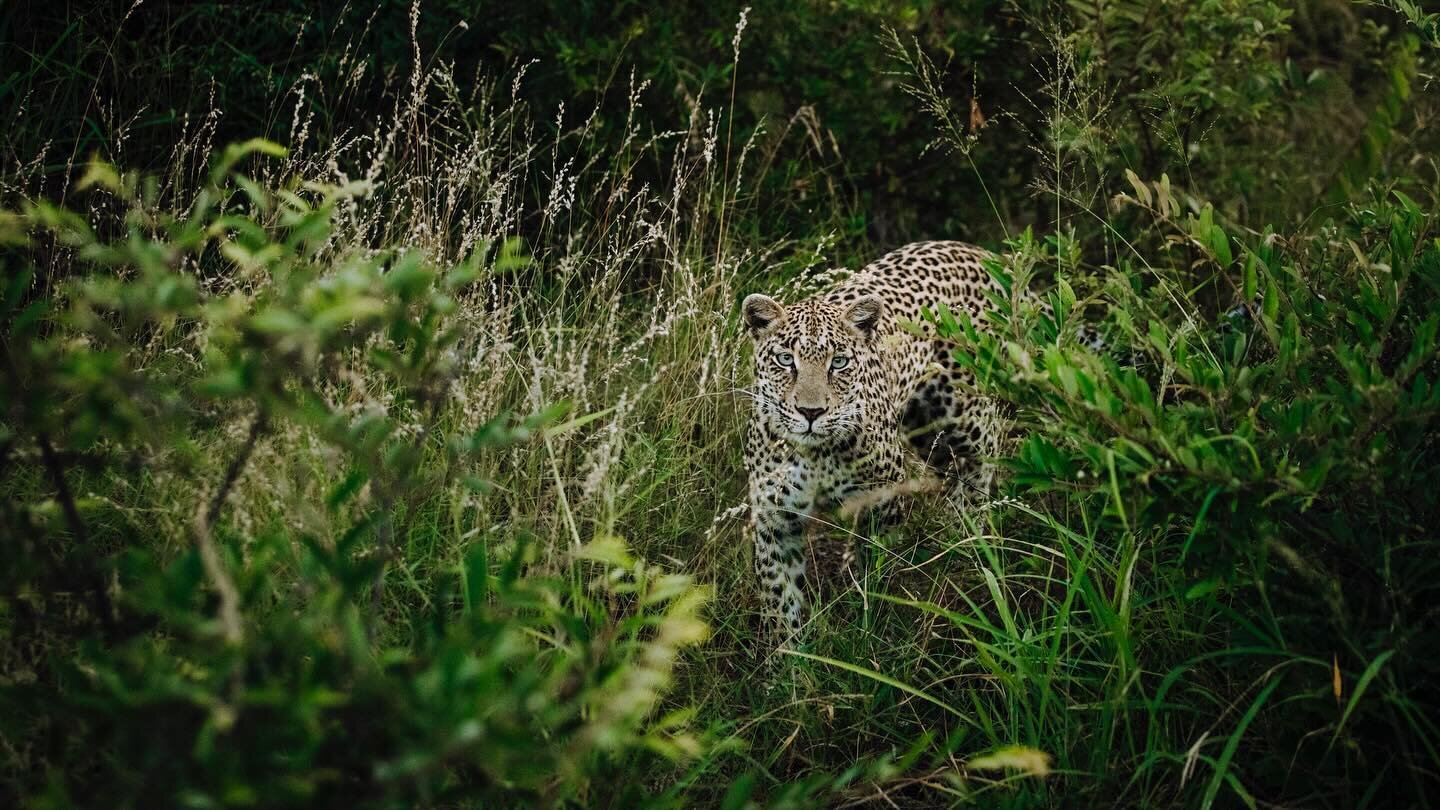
400	463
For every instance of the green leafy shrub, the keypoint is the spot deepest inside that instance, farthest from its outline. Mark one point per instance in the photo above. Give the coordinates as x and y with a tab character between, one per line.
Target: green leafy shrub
1277	462
220	662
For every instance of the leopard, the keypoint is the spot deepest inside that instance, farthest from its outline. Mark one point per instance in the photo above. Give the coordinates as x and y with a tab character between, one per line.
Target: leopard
855	395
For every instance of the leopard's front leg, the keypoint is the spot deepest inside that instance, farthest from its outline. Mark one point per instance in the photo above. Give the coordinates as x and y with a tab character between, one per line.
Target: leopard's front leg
781	506
780	566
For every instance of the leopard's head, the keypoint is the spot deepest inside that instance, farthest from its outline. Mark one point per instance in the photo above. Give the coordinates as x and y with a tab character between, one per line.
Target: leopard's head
817	365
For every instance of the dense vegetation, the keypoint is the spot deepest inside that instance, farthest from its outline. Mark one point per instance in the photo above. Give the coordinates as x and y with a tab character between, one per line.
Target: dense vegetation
372	391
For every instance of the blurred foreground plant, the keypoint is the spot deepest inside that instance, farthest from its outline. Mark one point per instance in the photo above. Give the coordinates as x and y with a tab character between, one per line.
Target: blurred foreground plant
216	660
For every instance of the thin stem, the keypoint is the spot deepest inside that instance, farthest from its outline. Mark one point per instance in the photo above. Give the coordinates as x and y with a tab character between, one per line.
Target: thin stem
729	128
237	465
56	471
205	538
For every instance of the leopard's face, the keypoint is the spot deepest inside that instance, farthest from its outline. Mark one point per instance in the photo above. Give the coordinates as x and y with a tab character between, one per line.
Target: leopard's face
817	366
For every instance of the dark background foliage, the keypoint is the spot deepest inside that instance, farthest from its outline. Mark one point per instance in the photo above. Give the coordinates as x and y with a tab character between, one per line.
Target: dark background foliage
1282	119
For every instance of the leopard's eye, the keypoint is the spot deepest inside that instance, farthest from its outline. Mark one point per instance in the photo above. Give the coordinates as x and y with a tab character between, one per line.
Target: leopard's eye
838	362
785	359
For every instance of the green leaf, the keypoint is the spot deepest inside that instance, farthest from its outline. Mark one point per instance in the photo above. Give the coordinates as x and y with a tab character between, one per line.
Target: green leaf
512	256
1270	306
1202	588
347	488
232	382
276	321
737	797
100	173
236	152
462	275
1220	243
576	423
1142	191
609	549
408	276
353	310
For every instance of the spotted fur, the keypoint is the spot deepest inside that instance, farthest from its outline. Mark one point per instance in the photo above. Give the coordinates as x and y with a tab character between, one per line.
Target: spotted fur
844	395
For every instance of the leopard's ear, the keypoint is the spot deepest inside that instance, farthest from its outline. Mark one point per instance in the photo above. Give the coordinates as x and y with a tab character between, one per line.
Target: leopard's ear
761	313
865	313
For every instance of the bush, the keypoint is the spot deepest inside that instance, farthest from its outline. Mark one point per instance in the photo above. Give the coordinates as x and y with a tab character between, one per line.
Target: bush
217	663
1276	464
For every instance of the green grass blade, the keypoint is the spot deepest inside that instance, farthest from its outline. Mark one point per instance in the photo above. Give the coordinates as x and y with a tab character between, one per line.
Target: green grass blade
1222	765
883	678
1360	686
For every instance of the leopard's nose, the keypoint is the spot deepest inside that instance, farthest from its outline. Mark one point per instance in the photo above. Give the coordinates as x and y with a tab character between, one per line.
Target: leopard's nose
810	413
